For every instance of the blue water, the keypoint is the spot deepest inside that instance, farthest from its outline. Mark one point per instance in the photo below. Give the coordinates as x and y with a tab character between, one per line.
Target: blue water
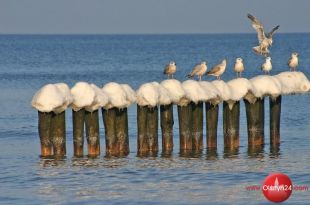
28	62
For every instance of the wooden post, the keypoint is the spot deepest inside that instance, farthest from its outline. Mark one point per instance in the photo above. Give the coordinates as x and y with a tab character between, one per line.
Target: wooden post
197	126
275	117
92	133
78	119
231	120
147	119
121	130
58	131
45	133
166	124
255	121
152	129
109	117
185	127
211	124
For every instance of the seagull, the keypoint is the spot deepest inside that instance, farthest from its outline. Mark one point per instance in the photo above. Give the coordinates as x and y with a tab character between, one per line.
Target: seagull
267	65
170	69
239	67
264	41
293	61
218	70
199	70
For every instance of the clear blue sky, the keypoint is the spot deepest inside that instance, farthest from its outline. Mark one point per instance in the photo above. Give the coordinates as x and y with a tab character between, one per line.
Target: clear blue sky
150	16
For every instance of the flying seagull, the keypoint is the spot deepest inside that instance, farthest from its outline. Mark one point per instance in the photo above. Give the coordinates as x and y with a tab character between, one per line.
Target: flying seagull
199	70
264	41
293	61
218	70
170	69
239	67
267	65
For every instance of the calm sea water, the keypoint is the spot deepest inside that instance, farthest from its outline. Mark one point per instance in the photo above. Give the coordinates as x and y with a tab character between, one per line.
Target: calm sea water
28	62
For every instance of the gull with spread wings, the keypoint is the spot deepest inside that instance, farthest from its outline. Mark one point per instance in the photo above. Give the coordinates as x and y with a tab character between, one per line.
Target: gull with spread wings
264	41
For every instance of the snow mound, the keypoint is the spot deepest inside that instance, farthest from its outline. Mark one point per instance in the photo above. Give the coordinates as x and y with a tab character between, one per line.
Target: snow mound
83	95
117	96
239	87
148	94
52	98
194	92
266	85
130	94
293	82
101	99
224	90
174	88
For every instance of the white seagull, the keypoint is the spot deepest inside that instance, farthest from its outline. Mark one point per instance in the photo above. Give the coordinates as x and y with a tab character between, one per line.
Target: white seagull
264	41
267	65
293	61
218	70
199	70
170	69
239	67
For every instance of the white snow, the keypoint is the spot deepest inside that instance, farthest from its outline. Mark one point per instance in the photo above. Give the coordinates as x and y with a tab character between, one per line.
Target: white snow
83	95
117	96
293	82
193	92
239	87
174	88
130	94
148	94
67	97
211	91
223	88
51	98
265	85
100	100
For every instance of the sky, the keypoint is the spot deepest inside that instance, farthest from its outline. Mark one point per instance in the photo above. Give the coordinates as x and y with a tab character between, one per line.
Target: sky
150	16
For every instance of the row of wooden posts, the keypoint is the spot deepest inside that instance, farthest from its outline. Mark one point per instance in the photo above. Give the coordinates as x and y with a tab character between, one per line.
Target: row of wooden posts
52	129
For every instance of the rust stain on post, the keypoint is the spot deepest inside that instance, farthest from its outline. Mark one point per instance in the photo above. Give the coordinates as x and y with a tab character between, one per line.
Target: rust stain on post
78	119
58	132
92	133
45	133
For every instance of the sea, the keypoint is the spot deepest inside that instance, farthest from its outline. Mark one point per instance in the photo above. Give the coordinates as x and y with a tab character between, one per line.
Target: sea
27	62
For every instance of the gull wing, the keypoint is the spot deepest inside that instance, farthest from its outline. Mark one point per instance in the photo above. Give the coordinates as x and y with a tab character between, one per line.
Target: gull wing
272	31
258	26
166	70
196	69
215	69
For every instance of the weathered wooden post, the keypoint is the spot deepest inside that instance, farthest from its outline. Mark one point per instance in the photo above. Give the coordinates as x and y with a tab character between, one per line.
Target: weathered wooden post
78	119
211	124
255	114
166	124
185	127
197	126
115	118
45	133
147	119
92	133
275	116
58	132
231	120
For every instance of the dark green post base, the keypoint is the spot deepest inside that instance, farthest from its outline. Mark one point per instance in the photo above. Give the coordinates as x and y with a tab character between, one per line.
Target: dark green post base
275	117
78	119
211	124
231	121
92	133
255	122
166	124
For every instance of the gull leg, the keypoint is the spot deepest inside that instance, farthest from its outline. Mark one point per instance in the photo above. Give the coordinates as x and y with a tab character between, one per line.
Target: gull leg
200	78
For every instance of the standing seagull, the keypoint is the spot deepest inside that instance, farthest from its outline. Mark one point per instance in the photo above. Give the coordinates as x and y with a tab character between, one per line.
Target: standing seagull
267	65
170	69
264	41
239	67
293	61
218	70
199	70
